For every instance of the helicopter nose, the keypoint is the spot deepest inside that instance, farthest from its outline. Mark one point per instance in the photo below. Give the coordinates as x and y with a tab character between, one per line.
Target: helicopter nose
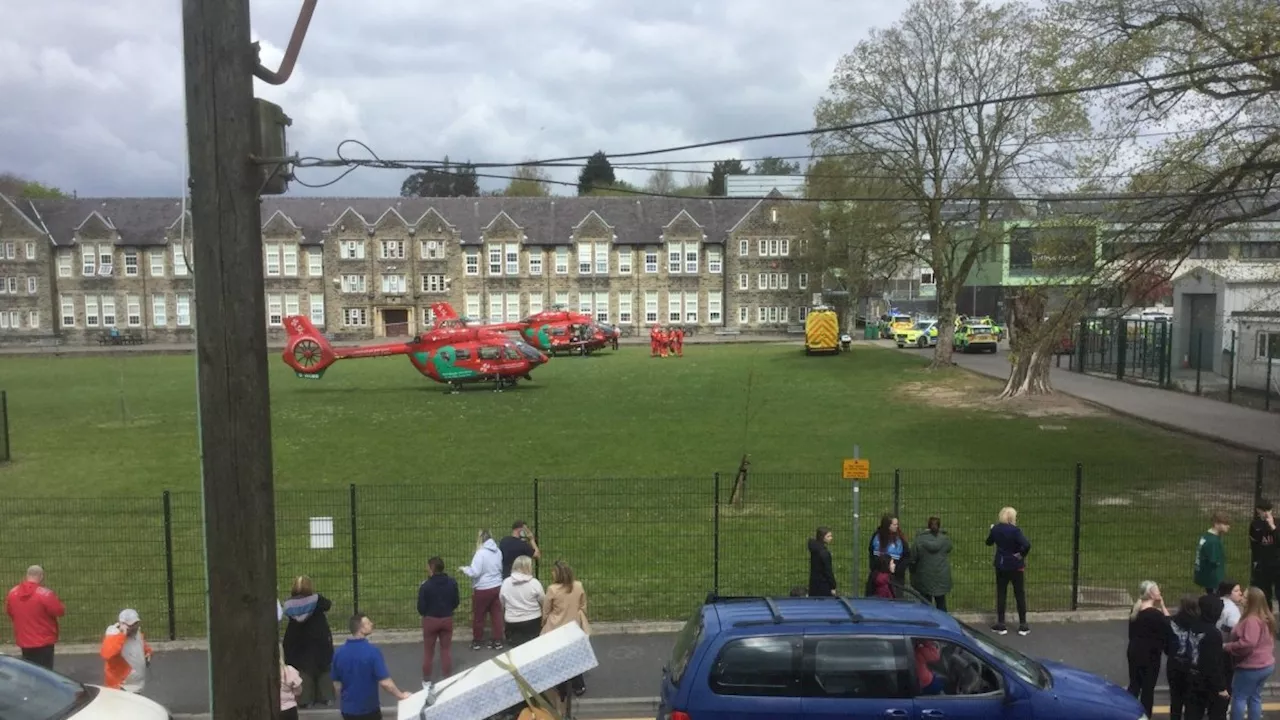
542	358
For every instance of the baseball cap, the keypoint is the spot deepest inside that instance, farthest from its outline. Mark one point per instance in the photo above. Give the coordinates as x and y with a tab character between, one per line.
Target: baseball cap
129	617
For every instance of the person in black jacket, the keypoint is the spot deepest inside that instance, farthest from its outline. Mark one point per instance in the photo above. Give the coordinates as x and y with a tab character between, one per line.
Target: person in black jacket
1265	553
308	642
1185	633
1148	640
1011	564
1208	696
437	599
822	579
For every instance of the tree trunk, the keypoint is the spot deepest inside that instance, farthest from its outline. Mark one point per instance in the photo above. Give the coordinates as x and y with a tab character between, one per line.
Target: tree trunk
946	324
1031	343
1028	374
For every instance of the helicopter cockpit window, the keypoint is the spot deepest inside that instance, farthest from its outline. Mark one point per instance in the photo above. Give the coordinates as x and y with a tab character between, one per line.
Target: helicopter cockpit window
489	352
558	331
510	352
527	351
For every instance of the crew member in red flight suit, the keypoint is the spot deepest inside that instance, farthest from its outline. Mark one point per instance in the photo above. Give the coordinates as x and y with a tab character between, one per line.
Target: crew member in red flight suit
665	341
679	341
655	341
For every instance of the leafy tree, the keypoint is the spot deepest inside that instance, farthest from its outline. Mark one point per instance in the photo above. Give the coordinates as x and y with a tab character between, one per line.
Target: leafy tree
723	168
15	186
614	189
661	181
528	181
450	180
694	185
597	173
952	169
775	166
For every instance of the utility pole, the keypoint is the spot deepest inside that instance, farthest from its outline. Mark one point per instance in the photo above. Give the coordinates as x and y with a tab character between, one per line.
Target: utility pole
231	348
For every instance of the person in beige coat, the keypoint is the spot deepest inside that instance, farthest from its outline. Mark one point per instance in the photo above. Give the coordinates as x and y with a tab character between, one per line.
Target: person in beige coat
564	603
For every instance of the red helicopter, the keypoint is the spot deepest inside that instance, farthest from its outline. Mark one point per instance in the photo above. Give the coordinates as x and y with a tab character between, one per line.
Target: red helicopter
553	331
453	356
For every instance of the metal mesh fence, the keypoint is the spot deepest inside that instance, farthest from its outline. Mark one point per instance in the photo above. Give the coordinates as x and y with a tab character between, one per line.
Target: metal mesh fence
645	548
4	427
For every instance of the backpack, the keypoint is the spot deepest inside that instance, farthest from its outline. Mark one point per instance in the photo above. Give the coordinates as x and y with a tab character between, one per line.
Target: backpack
1186	649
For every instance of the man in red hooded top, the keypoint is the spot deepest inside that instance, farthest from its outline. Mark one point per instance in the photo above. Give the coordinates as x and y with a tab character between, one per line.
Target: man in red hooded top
34	610
678	341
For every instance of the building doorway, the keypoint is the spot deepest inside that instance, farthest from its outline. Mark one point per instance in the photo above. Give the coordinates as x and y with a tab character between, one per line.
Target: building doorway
1203	316
395	322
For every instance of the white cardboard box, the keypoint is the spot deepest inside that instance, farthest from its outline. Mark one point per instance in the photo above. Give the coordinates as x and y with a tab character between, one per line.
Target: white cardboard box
487	689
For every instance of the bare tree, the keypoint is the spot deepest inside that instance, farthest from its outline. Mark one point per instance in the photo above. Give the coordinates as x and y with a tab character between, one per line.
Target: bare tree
528	181
661	181
953	168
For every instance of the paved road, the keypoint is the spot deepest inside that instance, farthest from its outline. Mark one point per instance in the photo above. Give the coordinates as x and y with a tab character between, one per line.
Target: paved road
630	665
1244	427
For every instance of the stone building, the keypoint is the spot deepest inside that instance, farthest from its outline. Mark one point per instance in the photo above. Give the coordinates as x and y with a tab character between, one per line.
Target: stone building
372	267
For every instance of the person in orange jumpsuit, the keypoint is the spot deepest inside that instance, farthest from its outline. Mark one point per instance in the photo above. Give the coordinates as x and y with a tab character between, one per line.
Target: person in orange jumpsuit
678	341
664	336
655	340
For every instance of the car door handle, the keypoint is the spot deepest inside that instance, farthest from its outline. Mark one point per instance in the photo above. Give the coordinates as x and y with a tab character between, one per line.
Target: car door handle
895	713
932	714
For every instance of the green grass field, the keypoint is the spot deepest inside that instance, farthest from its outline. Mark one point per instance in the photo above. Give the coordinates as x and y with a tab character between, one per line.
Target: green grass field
624	448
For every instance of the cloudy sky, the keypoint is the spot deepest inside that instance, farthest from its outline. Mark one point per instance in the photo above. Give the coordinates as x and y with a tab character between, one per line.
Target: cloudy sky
94	91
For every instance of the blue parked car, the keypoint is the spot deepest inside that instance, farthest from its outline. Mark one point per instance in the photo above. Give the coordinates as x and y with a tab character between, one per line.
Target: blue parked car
829	657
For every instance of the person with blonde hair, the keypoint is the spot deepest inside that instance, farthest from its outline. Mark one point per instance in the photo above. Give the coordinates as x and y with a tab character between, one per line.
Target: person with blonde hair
290	689
522	596
1252	645
308	641
1148	638
485	572
565	602
1011	548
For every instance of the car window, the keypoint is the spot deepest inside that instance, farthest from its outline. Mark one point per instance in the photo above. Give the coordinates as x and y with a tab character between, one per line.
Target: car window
980	329
860	667
686	643
1024	667
29	692
759	666
949	669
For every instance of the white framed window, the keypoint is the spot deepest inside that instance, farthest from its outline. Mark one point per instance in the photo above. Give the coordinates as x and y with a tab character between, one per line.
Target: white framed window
562	299
394	284
133	310
602	307
355	317
602	258
763	248
351	250
1269	346
495	307
428	317
744	248
715	308
624	262
316	307
432	283
471	262
535	262
391	250
271	253
68	309
513	307
108	311
155	258
802	281
8	251
624	308
675	256
495	259
31	254
88	260
744	281
584	258
471	305
802	312
179	261
535	303
32	286
92	312
650	306
33	319
691	307
773	248
512	258
289	259
674	311
650	261
182	310
562	261
12	285
131	263
9	319
773	280
106	260
744	314
353	284
762	314
691	251
315	263
64	263
291	306
159	311
715	260
584	303
926	277
431	250
786	247
762	281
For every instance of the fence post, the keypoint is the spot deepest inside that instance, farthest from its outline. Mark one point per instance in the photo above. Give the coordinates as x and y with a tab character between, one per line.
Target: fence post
1075	539
1258	472
715	540
897	492
4	423
1271	362
1231	368
1122	347
1081	340
355	555
536	511
1199	357
168	564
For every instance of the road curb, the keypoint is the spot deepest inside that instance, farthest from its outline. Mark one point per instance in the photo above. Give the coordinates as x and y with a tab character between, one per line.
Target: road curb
584	705
404	637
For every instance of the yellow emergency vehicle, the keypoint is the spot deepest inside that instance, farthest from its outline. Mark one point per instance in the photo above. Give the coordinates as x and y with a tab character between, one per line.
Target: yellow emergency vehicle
821	331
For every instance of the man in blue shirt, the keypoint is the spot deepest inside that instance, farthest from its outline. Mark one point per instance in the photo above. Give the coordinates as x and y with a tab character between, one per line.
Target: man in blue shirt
358	671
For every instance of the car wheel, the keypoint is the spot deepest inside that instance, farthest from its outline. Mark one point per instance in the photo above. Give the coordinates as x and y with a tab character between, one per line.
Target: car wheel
922	343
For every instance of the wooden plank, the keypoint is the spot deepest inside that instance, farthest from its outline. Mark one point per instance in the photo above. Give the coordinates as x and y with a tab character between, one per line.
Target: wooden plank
231	350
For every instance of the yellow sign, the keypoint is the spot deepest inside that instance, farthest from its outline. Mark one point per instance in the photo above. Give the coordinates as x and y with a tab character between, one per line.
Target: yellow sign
855	469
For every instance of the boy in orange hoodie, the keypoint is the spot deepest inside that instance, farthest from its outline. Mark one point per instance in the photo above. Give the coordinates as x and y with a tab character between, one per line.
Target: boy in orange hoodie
125	654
